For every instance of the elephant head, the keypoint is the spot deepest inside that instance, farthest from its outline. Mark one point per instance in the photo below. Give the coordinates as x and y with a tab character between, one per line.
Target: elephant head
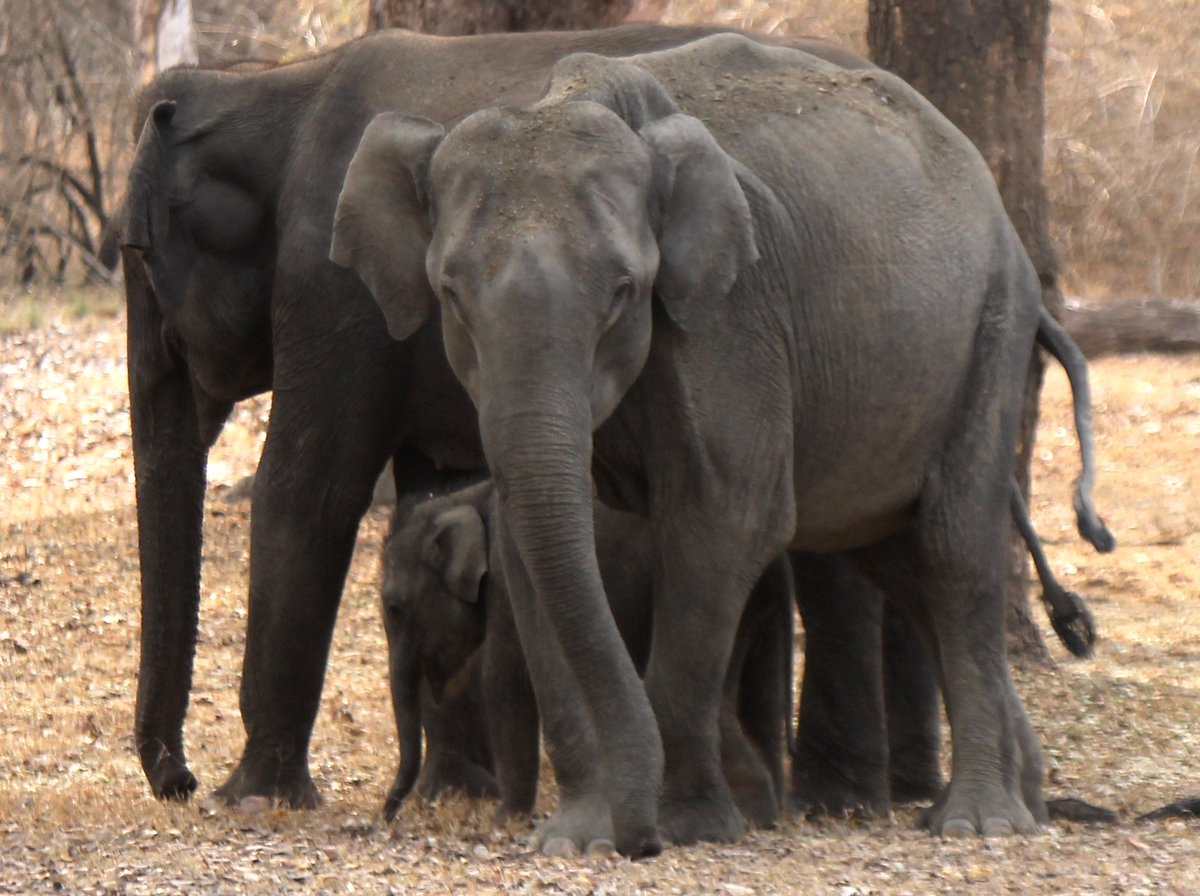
559	237
435	566
197	252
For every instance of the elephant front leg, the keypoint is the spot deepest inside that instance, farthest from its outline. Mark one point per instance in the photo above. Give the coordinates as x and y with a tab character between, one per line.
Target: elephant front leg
510	708
758	699
304	522
701	590
583	821
914	702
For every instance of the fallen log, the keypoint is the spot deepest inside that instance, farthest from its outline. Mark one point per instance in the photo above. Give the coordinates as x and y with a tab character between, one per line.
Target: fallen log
1130	326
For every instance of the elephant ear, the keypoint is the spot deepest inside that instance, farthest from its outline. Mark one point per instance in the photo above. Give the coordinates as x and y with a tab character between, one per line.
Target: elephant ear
706	232
381	227
146	211
460	551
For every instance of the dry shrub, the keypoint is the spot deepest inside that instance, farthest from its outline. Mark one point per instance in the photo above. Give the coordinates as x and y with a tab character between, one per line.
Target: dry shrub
841	21
1122	144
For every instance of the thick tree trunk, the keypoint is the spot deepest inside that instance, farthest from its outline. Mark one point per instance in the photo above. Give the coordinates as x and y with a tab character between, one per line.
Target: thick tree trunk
482	16
166	35
982	63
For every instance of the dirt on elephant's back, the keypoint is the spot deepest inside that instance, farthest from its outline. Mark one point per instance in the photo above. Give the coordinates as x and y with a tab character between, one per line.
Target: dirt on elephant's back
1120	730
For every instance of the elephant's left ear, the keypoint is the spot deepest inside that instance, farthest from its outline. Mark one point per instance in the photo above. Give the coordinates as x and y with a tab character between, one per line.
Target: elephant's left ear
706	231
381	227
462	551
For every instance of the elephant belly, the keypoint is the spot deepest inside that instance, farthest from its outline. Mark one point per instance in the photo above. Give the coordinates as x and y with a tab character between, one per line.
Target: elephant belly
855	484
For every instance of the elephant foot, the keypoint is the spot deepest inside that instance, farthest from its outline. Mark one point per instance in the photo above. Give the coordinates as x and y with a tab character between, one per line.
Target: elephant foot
758	804
822	789
754	795
294	789
578	826
969	809
754	789
170	778
712	819
456	774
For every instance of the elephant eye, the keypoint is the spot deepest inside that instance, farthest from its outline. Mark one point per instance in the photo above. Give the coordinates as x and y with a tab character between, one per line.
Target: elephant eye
451	298
623	291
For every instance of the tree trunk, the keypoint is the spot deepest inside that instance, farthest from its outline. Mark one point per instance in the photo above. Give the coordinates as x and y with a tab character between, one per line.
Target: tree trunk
166	35
982	63
482	16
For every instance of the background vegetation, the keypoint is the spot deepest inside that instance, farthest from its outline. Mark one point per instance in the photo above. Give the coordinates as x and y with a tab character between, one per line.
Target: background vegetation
1122	138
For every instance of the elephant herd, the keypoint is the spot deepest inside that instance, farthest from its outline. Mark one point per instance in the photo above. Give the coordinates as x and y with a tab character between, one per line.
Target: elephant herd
680	330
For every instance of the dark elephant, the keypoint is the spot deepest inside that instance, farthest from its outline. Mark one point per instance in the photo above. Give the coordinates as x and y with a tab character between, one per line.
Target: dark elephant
229	292
769	303
450	627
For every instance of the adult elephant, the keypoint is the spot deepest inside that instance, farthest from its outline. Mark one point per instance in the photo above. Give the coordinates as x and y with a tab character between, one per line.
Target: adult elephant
799	319
229	293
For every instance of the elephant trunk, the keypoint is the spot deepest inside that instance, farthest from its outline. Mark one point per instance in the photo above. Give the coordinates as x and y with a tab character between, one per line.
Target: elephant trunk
406	704
169	455
539	447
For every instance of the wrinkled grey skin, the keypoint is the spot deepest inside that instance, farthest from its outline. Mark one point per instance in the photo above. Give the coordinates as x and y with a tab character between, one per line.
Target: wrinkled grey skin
769	303
447	615
868	727
229	293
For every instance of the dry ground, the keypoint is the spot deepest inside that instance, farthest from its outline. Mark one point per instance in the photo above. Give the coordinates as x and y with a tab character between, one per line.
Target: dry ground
76	815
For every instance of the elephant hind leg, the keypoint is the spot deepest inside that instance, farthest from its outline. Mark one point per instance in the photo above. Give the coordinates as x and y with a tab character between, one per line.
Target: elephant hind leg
841	761
955	590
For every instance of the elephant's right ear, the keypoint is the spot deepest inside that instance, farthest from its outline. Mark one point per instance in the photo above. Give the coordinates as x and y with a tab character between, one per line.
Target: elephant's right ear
460	544
381	227
145	209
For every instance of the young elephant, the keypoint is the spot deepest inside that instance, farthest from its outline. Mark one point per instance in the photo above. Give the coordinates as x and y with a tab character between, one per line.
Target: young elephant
769	304
456	665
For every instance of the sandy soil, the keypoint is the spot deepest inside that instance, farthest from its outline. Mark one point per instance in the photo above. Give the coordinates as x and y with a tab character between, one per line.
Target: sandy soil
1122	729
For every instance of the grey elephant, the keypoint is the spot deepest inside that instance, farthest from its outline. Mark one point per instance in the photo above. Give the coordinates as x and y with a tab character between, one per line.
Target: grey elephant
866	737
229	293
450	629
868	728
768	303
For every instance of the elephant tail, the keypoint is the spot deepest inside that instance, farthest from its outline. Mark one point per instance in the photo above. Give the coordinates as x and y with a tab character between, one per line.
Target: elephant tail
1069	614
1054	339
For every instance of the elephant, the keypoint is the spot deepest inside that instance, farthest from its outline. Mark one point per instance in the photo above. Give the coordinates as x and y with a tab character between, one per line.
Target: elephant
447	619
765	301
869	736
449	626
224	229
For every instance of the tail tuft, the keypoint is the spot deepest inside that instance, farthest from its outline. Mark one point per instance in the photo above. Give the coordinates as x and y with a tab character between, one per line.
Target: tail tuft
1075	625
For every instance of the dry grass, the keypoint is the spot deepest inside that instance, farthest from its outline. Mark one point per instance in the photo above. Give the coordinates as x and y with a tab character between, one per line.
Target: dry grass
76	816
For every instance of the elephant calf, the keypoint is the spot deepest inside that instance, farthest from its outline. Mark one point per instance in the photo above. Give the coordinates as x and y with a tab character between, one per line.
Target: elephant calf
456	667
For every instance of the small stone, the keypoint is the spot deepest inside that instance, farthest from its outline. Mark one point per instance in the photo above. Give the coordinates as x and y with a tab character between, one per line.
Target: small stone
601	848
480	852
254	804
558	847
977	874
